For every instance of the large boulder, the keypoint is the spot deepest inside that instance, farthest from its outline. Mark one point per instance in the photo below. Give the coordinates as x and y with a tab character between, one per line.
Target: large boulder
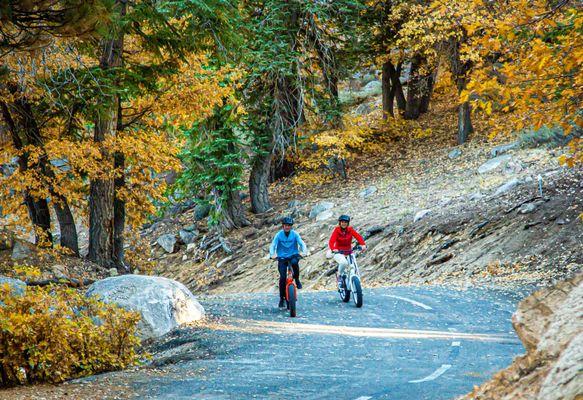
163	303
16	285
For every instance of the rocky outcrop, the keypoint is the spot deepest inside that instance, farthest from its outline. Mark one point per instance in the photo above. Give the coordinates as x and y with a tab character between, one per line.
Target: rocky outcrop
550	325
163	303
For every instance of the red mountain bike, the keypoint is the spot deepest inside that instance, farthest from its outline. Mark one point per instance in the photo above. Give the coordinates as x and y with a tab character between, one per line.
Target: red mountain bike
291	290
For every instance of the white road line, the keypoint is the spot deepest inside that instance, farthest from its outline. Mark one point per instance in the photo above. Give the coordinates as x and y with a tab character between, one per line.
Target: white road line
416	303
437	373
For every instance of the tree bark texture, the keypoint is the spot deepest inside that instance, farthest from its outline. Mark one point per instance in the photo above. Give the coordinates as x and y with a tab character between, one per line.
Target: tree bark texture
388	91
259	183
101	193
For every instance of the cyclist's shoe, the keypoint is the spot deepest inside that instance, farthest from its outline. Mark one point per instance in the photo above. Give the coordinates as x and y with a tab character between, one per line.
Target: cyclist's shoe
298	284
281	303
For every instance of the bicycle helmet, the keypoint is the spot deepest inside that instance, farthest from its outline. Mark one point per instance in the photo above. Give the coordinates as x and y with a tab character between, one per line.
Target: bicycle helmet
344	218
287	221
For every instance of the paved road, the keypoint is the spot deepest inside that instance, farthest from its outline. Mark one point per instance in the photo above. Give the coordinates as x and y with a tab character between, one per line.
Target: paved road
405	343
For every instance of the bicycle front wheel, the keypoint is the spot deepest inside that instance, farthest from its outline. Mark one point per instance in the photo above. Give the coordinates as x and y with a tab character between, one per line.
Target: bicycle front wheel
357	291
291	302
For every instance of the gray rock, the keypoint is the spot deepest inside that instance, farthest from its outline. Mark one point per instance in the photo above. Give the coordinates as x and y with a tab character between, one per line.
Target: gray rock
187	237
494	163
59	271
476	196
113	272
373	230
168	242
363	109
528	208
18	287
373	87
190	247
421	214
202	211
62	164
369	191
325	215
21	250
564	380
295	204
320	208
504	148
190	228
508	186
164	304
512	167
455	153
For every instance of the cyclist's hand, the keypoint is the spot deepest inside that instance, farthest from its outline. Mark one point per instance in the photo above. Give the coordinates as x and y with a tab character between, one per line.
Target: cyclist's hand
274	257
363	248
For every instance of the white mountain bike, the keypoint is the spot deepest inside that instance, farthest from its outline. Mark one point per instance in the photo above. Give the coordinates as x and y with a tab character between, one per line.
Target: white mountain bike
349	282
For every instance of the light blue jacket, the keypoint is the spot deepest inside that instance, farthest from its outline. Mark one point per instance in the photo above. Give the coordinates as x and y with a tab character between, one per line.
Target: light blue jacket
287	246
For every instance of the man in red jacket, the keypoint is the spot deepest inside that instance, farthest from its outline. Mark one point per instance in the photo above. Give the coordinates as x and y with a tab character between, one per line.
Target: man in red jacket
341	242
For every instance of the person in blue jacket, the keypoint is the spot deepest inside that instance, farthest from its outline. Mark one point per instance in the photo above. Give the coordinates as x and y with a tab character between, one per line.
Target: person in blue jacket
285	247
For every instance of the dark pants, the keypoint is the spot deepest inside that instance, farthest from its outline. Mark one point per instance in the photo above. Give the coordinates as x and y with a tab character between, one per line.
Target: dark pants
282	267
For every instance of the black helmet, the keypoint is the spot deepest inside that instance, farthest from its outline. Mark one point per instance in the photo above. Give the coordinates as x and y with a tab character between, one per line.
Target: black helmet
287	221
344	218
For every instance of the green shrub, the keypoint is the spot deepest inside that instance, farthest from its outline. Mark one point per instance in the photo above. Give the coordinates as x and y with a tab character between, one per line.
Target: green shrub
50	334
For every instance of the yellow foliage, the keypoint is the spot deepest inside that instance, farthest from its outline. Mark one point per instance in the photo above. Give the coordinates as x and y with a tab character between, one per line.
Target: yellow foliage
52	334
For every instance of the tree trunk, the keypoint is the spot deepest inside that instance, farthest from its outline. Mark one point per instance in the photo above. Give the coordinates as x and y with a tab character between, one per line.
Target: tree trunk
38	209
119	205
101	193
259	183
388	91
233	213
395	75
119	216
429	82
464	126
418	90
67	226
413	106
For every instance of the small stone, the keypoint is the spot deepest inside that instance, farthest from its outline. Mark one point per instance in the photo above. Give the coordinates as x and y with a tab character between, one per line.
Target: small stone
59	271
320	208
187	237
113	272
184	257
493	164
295	204
21	250
508	186
528	208
363	109
201	211
325	215
421	214
561	221
455	153
190	247
190	228
476	196
17	286
499	150
369	191
168	242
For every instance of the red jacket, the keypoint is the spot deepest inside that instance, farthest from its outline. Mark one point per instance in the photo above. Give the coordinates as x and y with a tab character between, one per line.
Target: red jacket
342	240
